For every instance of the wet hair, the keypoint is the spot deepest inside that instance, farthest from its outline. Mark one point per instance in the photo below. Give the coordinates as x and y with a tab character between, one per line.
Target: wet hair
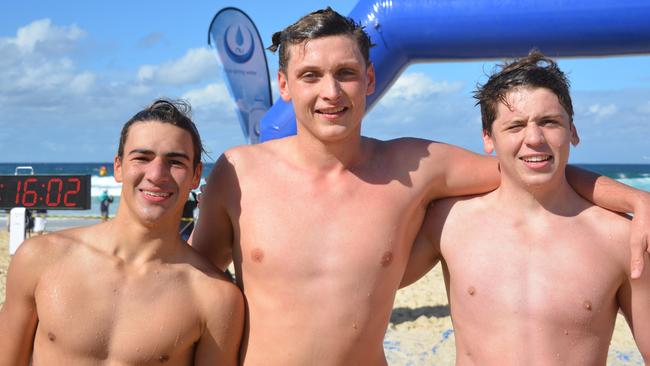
535	70
321	23
175	112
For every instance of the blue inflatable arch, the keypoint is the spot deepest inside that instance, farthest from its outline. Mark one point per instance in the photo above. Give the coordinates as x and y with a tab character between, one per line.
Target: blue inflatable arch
407	31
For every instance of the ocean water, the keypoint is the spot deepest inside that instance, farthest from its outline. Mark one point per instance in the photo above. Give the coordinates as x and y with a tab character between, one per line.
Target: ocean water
635	175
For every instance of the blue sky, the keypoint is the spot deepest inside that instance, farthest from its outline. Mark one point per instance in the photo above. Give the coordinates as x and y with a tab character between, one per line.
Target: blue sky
72	72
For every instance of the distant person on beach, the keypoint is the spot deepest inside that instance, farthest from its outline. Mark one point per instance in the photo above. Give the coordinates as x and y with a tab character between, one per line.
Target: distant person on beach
535	274
320	225
104	203
128	291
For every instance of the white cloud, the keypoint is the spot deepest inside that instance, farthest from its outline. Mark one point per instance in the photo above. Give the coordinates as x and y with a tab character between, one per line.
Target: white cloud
189	69
42	34
417	86
644	108
210	96
599	111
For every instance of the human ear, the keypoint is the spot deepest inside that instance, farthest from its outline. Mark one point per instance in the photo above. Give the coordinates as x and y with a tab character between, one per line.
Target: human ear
488	143
575	139
370	74
117	169
283	84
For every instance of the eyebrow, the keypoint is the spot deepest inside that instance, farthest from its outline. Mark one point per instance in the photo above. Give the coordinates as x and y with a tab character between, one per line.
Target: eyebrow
171	154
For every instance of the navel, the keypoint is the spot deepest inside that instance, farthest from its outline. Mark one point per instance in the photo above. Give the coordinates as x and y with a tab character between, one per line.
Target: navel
471	290
387	259
51	336
257	255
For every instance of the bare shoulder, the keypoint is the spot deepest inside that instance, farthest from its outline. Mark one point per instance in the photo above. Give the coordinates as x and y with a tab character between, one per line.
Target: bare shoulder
461	206
402	147
613	229
37	255
211	287
246	155
49	248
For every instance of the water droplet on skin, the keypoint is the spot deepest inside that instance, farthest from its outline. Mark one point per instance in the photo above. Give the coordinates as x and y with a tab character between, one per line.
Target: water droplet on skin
566	332
354	325
587	305
471	290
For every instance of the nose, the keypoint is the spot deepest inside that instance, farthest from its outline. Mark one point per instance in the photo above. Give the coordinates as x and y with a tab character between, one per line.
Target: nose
534	134
331	89
157	171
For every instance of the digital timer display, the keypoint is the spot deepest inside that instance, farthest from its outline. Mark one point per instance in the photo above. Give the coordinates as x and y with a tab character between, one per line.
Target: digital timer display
50	192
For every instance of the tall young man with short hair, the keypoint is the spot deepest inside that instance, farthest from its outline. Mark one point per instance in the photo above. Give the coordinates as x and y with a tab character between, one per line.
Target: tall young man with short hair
320	224
127	291
539	275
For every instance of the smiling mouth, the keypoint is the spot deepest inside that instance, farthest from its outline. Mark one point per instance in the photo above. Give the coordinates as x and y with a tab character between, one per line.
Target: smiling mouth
536	158
332	111
156	194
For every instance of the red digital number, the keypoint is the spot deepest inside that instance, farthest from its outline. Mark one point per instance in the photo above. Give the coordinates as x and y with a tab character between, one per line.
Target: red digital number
73	192
18	192
29	193
58	194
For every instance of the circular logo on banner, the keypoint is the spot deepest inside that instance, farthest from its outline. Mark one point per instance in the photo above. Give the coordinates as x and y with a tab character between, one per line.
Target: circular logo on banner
238	41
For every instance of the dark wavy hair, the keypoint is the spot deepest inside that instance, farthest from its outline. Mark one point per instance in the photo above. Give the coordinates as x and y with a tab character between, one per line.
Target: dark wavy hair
175	112
321	23
535	70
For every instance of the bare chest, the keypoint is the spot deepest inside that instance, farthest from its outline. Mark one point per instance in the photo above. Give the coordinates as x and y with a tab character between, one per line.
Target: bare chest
106	316
561	277
316	228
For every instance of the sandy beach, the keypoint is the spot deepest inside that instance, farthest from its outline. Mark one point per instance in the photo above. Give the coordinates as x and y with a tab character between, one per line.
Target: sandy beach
420	330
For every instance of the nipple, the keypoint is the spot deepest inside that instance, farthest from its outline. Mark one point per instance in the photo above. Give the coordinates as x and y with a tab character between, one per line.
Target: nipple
257	255
387	259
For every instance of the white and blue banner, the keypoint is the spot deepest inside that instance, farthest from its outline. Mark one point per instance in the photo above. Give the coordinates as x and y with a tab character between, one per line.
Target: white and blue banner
238	46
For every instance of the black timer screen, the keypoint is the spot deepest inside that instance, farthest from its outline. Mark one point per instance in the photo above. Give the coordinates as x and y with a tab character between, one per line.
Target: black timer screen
52	192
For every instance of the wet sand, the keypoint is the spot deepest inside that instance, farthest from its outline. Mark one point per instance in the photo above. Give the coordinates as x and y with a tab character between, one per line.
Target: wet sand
420	331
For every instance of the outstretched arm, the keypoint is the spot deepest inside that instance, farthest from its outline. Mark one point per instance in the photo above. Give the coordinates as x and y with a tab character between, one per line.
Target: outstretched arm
18	317
612	195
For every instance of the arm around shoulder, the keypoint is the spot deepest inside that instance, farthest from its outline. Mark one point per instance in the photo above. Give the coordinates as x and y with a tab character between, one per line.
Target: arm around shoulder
612	195
634	300
18	317
213	234
462	172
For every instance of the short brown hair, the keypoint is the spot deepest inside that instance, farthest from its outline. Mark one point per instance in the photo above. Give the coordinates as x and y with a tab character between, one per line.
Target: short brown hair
534	70
321	23
175	112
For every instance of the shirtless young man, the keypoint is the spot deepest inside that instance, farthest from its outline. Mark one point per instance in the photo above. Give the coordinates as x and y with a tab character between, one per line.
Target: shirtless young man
320	225
128	291
534	273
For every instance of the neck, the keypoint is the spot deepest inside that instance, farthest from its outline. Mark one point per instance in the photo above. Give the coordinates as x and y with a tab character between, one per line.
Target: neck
139	242
556	197
329	155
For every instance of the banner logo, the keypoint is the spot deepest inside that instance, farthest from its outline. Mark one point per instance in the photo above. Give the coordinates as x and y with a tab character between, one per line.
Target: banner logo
239	44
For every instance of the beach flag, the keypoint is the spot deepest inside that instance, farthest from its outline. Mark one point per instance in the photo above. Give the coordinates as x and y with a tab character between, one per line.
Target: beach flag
239	49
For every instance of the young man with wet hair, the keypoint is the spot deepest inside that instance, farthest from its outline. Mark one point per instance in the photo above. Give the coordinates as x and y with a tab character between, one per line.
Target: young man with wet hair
320	225
127	291
539	269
